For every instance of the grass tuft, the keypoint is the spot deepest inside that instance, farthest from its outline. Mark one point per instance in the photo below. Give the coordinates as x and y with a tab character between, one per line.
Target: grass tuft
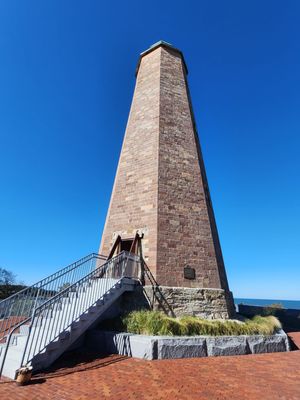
156	323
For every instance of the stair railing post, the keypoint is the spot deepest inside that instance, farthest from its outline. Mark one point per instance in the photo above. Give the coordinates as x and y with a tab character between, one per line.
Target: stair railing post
35	302
142	274
27	341
125	263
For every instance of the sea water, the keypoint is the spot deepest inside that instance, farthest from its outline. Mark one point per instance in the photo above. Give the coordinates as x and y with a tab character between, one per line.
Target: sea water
265	302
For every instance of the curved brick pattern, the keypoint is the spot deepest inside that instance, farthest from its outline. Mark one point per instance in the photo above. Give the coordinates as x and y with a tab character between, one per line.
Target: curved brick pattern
263	376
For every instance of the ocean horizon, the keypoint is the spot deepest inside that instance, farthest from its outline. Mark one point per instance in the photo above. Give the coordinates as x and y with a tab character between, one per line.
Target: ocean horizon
294	304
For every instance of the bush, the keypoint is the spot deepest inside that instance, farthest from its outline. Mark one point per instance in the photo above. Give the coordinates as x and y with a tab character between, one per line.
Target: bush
143	322
156	323
276	305
272	309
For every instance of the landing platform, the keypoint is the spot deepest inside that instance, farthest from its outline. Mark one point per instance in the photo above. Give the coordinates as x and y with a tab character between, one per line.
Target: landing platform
85	376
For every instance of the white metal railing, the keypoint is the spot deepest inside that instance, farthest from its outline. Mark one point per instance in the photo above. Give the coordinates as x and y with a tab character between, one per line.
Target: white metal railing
21	305
55	315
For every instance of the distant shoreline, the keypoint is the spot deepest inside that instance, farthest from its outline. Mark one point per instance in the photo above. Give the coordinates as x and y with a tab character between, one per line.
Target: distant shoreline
294	304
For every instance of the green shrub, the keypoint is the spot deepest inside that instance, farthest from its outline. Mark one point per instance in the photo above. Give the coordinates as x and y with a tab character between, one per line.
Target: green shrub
272	309
157	323
144	322
276	305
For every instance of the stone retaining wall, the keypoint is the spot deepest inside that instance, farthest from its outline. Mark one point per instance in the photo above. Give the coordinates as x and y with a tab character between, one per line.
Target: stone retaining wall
179	301
165	347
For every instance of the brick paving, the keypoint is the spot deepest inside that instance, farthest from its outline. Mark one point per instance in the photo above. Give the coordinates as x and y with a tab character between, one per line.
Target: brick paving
295	338
81	377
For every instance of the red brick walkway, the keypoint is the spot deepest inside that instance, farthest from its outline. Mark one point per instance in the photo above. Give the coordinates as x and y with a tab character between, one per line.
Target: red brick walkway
266	376
295	338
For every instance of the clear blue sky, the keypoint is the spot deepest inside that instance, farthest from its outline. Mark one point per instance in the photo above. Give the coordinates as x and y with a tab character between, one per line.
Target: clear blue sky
66	83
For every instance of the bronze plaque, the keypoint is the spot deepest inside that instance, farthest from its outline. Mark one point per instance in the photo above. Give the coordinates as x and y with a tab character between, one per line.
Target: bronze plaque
189	272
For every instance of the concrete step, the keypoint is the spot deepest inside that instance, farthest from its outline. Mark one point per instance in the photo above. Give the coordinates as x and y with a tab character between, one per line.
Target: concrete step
24	329
76	325
64	335
85	317
10	368
53	345
93	309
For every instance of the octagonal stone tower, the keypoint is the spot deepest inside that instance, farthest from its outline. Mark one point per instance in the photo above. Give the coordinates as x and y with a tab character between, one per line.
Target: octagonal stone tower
161	190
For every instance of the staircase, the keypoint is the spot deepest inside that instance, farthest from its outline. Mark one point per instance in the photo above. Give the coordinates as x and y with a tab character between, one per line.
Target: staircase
41	322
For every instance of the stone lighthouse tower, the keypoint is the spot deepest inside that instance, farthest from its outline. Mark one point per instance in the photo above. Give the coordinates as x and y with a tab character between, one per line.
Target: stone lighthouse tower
161	190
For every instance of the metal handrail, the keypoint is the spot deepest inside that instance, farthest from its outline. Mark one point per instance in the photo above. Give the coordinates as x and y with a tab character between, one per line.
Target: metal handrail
43	329
21	304
71	287
111	270
157	292
62	270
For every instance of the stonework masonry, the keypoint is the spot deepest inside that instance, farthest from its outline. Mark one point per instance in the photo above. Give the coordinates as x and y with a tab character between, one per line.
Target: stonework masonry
134	199
180	301
160	187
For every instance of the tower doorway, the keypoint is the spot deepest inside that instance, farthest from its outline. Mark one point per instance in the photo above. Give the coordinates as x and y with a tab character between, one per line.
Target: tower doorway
132	245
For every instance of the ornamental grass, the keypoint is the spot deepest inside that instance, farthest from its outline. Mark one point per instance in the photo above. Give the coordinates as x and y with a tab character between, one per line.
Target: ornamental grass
146	322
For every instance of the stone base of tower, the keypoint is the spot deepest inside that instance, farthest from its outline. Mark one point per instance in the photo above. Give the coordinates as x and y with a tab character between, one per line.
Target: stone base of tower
178	301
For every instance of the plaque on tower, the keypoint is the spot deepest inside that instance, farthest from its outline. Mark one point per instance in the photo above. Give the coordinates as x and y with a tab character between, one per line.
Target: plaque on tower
189	272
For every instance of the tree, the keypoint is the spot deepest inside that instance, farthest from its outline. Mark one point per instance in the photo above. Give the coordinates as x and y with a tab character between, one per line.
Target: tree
7	277
8	284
